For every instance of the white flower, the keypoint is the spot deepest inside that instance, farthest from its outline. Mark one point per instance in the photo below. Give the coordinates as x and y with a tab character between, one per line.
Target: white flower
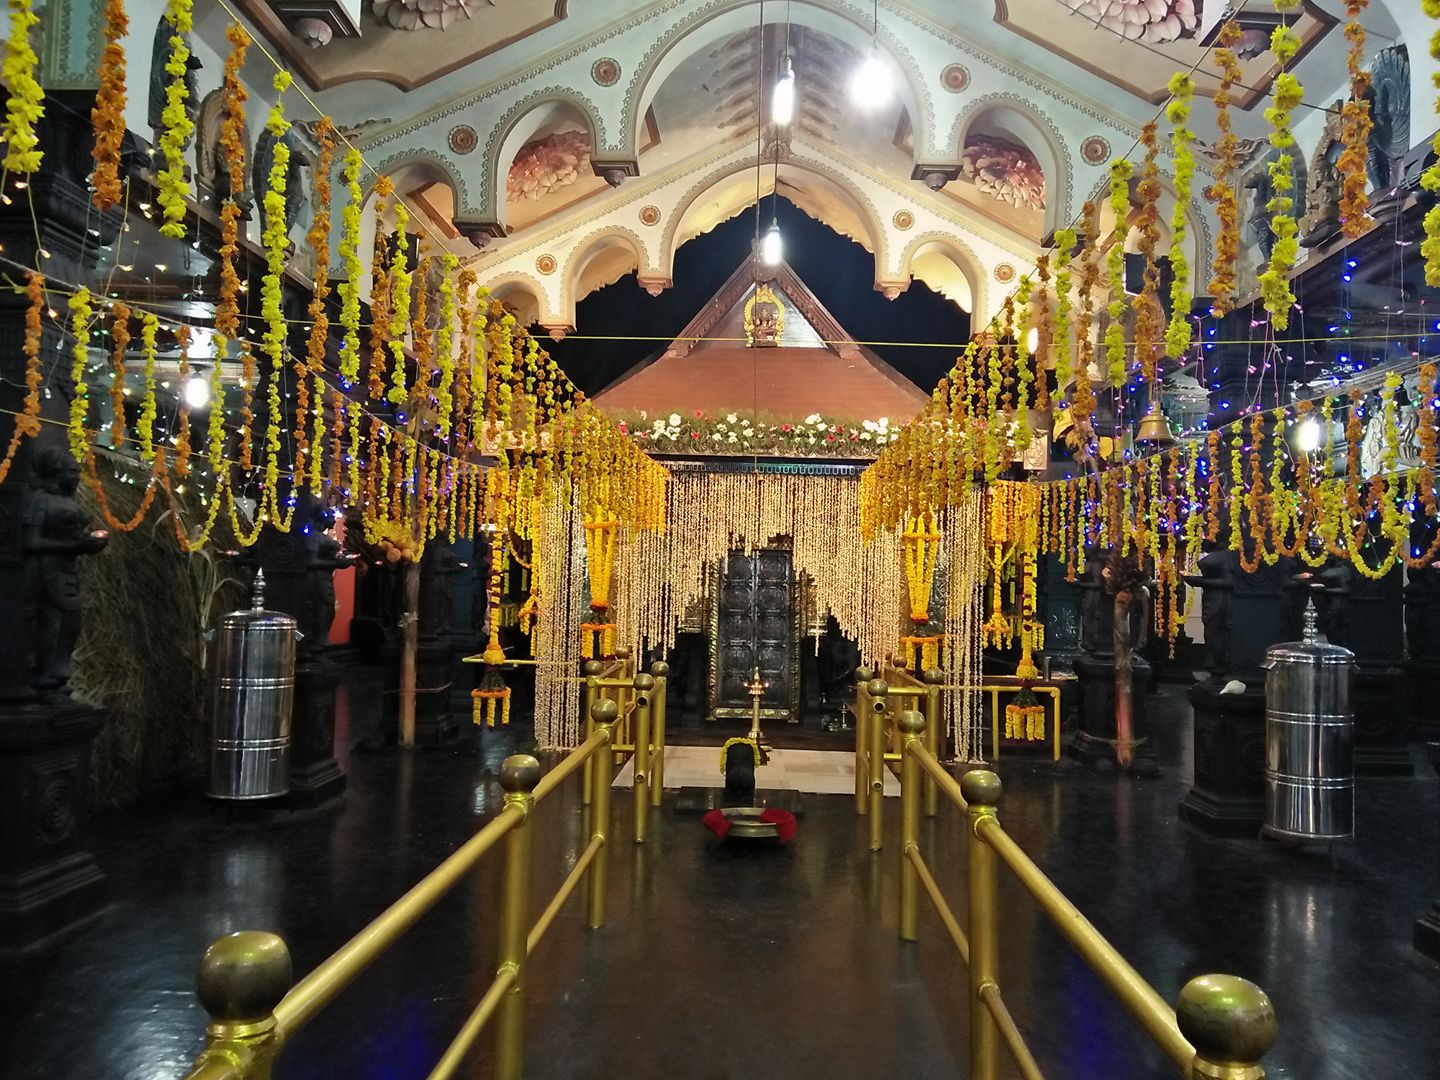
869	425
730	418
883	423
813	418
731	438
715	436
864	436
675	419
644	415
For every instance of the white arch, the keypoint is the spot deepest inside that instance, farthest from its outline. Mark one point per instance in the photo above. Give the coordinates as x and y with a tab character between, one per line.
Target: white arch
526	295
1039	134
584	256
520	125
721	20
964	260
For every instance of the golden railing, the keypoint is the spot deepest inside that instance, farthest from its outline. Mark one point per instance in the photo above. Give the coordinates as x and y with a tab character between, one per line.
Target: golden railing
1221	1025
874	732
244	981
640	730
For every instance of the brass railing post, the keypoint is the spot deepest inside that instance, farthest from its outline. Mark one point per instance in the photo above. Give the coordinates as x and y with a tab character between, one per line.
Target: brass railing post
644	686
603	714
241	979
862	738
934	735
518	776
875	768
1231	1024
981	790
912	727
591	670
660	671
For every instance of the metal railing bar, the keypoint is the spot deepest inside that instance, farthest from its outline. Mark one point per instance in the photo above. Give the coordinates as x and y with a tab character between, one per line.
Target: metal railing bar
322	985
454	1055
567	887
942	907
937	772
1142	1002
573	761
1010	1032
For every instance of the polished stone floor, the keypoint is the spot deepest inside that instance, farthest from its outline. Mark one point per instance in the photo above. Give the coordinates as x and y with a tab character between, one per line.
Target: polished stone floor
723	962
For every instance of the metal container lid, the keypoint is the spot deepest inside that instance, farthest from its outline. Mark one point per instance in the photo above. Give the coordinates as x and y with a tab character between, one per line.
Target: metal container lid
1309	650
257	616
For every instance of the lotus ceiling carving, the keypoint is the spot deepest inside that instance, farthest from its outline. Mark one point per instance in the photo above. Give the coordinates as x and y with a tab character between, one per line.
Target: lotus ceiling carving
1155	21
1004	171
547	164
425	14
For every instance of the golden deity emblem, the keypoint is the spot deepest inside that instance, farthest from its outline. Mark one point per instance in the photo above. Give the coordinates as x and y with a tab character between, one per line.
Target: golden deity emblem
764	318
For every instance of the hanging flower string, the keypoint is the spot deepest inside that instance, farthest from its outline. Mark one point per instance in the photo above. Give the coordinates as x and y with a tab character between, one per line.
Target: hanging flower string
176	126
26	104
350	261
1430	178
1120	172
120	340
80	314
108	115
27	424
1275	279
1355	127
1178	333
1222	192
275	238
145	424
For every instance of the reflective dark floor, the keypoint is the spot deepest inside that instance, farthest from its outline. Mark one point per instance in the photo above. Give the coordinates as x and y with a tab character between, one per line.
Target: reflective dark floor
720	962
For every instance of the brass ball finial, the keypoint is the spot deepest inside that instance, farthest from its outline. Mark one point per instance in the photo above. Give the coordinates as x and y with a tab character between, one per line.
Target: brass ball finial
591	667
878	688
1229	1020
604	711
519	772
243	976
660	669
643	682
622	653
864	675
911	722
981	787
933	677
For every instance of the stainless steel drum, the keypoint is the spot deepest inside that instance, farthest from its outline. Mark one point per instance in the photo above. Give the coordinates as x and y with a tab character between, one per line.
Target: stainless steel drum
252	690
1309	738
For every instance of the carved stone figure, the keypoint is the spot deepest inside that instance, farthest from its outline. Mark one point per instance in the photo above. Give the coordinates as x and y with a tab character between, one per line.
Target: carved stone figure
211	173
296	198
1323	188
56	533
1389	99
1258	184
159	78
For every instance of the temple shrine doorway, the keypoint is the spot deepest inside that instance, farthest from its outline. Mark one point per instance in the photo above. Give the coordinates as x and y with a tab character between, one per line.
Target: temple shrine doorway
754	627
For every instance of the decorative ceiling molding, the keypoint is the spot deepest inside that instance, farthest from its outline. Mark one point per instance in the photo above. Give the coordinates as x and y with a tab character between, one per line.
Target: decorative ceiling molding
1061	209
962	255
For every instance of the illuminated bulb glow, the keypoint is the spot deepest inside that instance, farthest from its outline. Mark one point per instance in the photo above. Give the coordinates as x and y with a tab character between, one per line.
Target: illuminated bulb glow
782	102
1307	435
772	247
870	87
197	391
1032	340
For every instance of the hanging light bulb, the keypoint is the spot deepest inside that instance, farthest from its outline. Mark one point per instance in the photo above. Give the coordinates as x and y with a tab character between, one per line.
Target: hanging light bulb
782	101
870	87
197	390
1306	435
1032	341
772	247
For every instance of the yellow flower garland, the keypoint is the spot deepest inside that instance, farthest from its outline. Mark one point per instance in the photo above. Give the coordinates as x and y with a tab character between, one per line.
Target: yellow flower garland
1178	333
80	314
176	125
275	238
350	260
1120	173
27	100
1274	281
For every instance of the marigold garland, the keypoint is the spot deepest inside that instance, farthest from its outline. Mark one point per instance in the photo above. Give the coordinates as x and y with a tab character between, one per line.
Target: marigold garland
275	238
1355	127
400	281
26	104
318	239
1274	281
176	125
445	346
1222	192
182	419
27	423
145	424
379	293
1120	173
80	314
1178	333
108	115
349	362
1430	178
1149	314
120	338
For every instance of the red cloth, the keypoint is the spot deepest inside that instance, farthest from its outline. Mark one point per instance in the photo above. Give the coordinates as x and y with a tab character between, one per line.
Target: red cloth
783	820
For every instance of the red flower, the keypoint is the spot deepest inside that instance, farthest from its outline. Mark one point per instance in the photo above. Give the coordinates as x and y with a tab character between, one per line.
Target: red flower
829	438
786	427
624	428
694	434
699	414
854	437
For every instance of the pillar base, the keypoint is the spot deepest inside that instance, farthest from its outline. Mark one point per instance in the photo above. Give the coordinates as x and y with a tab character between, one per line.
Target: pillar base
315	775
1227	798
49	880
1422	677
1380	723
1093	744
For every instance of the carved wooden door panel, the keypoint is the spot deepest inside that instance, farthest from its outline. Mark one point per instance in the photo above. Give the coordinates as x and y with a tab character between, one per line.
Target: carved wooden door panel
753	626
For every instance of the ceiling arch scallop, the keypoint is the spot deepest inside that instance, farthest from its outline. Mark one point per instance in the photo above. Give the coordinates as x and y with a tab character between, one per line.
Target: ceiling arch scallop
529	297
958	252
518	126
1040	135
449	170
713	22
599	258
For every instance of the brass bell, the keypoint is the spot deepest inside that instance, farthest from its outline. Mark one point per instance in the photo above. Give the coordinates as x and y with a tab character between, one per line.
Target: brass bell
1154	429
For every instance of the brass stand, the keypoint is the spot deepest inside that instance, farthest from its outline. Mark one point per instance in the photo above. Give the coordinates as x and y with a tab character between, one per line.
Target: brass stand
757	689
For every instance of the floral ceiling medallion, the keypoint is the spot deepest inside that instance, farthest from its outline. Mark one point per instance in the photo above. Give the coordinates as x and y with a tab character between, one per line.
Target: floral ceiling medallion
546	264
547	164
605	71
425	14
903	219
1004	272
1004	171
649	215
1151	21
955	78
463	139
1095	150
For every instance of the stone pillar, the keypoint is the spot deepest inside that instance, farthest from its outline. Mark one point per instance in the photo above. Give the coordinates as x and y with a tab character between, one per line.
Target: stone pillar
1093	744
48	878
1367	617
1427	927
1244	614
1422	647
436	724
1060	609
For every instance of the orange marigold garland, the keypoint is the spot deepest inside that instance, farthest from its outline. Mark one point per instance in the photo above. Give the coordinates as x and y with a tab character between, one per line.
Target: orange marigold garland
232	145
1149	314
379	292
319	240
182	420
350	259
1222	192
1355	126
1430	178
108	115
120	336
27	424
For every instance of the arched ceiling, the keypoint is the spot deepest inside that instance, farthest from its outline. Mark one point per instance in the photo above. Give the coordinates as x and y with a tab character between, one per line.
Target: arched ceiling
550	124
